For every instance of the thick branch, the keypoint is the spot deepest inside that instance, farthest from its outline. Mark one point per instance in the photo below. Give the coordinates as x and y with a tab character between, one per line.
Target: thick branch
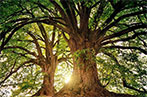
122	47
117	20
22	48
47	41
70	12
53	35
138	26
36	43
17	28
117	8
59	8
124	39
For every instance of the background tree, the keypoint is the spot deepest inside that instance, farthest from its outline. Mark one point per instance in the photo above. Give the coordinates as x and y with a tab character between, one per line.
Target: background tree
32	46
112	28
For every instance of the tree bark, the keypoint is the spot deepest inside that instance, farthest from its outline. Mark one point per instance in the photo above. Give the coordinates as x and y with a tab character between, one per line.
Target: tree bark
47	88
84	81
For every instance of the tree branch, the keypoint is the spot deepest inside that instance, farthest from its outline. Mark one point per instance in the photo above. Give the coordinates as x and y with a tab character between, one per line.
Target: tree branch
13	30
53	35
58	8
99	12
36	43
120	18
44	7
124	39
21	54
122	47
125	84
22	48
47	41
107	83
124	81
64	36
137	26
12	72
117	8
98	2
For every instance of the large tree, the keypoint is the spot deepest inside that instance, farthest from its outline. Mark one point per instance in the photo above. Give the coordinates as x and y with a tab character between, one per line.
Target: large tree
114	29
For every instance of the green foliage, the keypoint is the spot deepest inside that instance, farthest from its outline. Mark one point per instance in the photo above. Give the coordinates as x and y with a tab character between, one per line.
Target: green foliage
130	67
113	64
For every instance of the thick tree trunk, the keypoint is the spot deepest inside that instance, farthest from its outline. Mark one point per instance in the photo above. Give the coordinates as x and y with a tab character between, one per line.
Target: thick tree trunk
84	81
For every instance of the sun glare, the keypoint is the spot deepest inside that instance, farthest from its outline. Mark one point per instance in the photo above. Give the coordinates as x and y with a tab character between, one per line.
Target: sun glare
67	79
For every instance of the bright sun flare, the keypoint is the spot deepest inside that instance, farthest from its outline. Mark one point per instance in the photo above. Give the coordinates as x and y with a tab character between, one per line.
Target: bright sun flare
67	79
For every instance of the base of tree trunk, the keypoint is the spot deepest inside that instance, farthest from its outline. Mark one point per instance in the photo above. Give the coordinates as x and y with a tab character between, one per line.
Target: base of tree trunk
42	92
47	88
95	91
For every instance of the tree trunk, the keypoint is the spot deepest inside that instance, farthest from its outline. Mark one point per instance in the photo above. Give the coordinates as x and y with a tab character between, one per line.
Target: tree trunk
84	81
47	88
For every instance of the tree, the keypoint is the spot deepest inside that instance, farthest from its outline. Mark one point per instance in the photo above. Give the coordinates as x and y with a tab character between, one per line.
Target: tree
42	55
114	28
